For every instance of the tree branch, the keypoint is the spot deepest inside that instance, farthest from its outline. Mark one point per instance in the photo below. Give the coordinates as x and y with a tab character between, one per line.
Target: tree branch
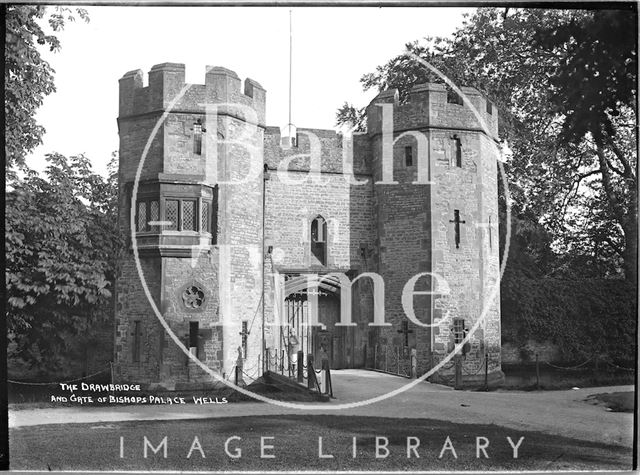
613	245
612	196
628	172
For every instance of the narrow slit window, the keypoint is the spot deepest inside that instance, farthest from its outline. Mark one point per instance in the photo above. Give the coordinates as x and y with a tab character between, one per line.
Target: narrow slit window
458	146
137	338
408	156
319	239
193	335
245	335
489	108
197	137
405	332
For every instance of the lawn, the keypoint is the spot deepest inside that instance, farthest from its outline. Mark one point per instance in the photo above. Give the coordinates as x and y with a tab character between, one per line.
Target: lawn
617	402
295	443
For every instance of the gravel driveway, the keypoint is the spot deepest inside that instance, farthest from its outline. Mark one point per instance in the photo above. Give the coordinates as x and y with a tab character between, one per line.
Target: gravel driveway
555	412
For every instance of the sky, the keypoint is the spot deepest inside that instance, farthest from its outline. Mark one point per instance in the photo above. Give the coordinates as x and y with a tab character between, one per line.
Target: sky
332	48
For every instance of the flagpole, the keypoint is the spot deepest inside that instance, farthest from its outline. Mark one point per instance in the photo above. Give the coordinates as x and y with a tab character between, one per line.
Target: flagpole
290	65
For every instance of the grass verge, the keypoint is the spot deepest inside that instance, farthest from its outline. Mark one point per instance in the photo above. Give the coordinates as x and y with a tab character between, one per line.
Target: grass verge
96	446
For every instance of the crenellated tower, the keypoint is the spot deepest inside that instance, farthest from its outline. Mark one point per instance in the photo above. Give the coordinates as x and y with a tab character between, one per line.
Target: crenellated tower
197	214
435	198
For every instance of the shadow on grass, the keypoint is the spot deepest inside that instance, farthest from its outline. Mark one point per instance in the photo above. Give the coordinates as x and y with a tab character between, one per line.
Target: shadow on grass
617	402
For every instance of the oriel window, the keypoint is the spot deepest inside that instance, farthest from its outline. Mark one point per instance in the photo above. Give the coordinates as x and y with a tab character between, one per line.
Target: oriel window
187	215
147	212
172	214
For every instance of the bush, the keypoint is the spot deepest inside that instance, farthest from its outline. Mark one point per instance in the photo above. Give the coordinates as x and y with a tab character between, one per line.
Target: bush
583	317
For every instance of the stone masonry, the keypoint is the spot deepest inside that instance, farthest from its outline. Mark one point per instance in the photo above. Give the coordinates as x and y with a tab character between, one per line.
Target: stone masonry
217	206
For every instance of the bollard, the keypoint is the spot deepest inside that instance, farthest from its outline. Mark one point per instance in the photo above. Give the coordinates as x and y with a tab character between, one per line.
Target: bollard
311	374
458	362
322	380
267	359
300	367
397	360
486	371
414	363
282	363
386	358
375	357
329	385
326	379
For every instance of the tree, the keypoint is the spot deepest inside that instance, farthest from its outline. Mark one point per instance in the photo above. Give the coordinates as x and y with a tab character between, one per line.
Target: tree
28	78
574	161
61	240
594	88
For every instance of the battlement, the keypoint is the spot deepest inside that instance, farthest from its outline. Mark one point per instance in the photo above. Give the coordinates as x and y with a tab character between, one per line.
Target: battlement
427	105
167	81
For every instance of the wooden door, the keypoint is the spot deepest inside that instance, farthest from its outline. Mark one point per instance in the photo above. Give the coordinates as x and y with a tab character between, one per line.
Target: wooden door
328	343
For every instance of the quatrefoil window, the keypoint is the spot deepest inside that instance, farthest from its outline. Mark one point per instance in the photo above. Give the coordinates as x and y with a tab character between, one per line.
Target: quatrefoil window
193	297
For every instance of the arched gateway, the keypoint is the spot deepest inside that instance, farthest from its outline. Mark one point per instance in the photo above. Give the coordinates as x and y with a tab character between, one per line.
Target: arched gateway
299	332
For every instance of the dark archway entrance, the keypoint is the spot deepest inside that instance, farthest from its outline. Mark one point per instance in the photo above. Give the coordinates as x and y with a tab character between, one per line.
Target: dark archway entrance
335	343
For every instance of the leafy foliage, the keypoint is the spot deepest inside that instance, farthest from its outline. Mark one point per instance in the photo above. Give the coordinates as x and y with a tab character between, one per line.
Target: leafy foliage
564	82
28	78
596	76
352	117
61	243
584	317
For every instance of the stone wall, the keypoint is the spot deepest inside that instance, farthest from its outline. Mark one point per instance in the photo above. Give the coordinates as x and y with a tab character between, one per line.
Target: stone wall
403	245
546	350
132	304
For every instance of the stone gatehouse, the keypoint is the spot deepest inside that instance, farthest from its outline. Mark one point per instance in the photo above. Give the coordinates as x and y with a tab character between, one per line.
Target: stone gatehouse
242	233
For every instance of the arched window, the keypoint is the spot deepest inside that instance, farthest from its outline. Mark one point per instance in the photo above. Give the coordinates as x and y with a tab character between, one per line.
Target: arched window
319	239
